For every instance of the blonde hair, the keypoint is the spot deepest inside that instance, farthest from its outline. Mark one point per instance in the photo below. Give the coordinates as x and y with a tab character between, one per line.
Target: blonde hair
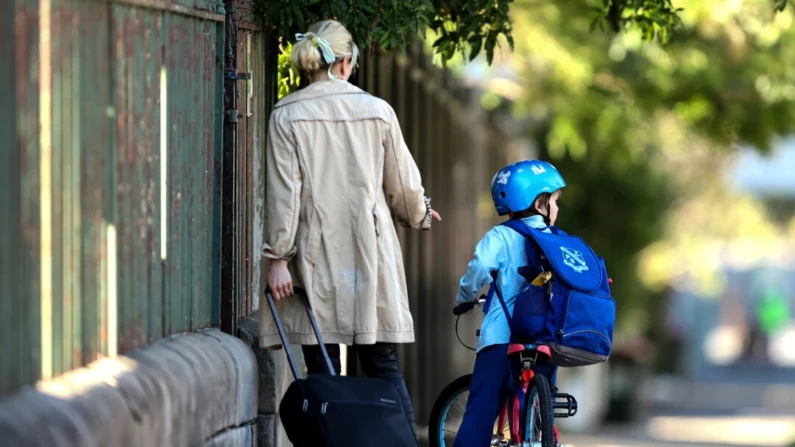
309	57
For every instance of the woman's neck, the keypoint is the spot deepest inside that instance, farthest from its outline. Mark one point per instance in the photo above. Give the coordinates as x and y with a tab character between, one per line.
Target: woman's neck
322	75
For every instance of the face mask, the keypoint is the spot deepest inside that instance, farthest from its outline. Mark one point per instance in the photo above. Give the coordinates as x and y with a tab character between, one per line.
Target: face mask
330	75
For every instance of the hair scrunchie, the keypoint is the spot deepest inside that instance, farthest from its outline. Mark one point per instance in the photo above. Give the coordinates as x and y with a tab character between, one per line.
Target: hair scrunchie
325	48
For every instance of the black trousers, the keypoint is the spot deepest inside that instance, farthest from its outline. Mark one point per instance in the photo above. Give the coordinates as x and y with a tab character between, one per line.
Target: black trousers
377	361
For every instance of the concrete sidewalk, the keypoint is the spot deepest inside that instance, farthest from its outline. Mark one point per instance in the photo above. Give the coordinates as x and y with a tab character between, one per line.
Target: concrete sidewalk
693	429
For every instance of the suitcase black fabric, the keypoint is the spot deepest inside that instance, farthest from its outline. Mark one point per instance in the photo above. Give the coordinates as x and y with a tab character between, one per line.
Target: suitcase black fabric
336	411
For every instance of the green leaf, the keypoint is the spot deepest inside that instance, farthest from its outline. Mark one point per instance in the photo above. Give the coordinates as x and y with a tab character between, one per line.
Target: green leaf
440	41
598	10
490	43
596	21
383	40
476	44
300	19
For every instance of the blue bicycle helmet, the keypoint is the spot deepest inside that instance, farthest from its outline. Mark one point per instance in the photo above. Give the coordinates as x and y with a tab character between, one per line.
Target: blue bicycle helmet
515	187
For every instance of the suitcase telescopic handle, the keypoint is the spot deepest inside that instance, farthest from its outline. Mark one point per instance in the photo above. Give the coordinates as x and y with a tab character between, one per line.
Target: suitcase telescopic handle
300	294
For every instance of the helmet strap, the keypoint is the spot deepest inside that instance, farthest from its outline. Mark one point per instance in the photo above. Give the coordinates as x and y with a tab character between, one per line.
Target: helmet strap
547	220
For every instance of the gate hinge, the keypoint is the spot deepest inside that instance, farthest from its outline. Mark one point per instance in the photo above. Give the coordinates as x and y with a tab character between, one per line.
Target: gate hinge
232	116
233	76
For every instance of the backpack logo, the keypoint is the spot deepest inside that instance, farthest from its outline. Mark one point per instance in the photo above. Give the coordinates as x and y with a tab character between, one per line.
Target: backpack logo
574	259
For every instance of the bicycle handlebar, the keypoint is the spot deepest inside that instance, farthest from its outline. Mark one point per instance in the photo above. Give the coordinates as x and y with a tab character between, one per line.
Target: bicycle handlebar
466	307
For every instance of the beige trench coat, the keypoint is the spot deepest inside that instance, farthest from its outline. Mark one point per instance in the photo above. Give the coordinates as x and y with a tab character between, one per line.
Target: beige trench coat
337	170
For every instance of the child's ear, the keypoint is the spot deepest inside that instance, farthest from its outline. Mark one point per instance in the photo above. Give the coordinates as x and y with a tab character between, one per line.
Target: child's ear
537	205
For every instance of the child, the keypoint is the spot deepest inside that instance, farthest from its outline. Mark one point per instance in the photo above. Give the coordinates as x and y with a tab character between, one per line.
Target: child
527	190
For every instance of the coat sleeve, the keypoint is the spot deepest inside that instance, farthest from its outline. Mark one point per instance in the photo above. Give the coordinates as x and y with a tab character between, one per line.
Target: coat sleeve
490	255
402	181
283	191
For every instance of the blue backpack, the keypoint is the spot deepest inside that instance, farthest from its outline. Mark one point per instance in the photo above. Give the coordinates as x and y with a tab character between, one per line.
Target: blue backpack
573	313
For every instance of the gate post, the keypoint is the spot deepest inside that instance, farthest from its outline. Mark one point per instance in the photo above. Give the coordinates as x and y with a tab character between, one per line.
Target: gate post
228	300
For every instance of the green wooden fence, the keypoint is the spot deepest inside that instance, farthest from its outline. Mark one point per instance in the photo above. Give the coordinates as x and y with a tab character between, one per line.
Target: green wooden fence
110	121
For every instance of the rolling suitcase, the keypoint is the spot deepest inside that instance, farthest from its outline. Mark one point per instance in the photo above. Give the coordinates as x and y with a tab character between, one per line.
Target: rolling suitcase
327	410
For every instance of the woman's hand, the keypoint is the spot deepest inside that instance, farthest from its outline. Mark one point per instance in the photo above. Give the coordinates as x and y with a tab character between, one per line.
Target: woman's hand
279	279
436	216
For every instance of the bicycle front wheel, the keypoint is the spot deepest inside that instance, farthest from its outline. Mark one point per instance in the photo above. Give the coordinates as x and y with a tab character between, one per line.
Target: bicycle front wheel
538	428
448	412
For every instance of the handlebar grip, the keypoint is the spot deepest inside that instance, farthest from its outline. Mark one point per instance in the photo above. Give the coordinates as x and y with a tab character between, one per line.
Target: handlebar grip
464	308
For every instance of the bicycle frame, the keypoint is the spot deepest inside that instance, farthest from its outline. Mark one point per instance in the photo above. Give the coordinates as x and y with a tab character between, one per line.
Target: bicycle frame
524	357
512	411
516	417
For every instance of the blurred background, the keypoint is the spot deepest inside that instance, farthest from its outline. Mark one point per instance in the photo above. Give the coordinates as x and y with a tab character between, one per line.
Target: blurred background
132	140
681	173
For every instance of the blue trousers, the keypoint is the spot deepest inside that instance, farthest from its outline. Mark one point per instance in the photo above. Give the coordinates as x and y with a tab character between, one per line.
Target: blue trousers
491	381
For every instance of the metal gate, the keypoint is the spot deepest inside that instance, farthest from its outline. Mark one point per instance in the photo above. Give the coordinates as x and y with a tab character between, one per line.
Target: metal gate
250	92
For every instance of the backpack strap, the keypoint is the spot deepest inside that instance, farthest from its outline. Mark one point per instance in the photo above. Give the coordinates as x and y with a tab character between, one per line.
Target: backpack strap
525	231
490	293
495	289
521	228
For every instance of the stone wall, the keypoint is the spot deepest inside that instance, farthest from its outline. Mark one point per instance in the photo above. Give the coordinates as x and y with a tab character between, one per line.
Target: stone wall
193	389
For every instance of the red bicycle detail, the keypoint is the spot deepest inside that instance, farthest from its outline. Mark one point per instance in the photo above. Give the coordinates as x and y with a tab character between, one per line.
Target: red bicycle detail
527	417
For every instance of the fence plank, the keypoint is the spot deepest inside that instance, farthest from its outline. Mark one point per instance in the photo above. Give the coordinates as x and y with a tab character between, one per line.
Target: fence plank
25	329
94	173
176	115
138	61
19	166
57	119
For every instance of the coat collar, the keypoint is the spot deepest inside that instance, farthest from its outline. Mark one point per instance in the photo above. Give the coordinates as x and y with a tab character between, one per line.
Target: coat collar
320	89
536	221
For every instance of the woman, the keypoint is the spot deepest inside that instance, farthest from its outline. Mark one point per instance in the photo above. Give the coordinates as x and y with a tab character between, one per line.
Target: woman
337	170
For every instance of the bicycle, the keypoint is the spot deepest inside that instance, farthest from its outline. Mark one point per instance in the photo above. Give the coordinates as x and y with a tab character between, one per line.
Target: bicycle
527	417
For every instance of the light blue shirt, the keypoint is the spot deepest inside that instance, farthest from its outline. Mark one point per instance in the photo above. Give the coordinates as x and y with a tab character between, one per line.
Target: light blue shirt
503	250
